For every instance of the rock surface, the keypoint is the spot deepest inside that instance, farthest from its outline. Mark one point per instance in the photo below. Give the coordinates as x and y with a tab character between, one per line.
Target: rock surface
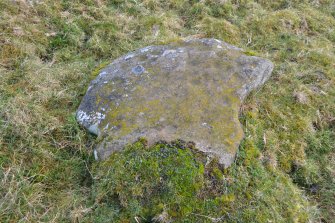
188	90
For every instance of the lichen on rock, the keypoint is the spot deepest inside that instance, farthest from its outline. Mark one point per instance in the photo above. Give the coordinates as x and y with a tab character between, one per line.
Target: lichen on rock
188	90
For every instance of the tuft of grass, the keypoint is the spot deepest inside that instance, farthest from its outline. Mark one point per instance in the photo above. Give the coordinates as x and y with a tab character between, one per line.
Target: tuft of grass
51	50
220	29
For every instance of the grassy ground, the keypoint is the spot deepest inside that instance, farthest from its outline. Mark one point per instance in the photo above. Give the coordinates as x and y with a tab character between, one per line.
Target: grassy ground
50	50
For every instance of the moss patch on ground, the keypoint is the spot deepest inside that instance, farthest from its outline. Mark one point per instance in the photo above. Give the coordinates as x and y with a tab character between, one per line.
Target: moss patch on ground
176	183
147	182
284	171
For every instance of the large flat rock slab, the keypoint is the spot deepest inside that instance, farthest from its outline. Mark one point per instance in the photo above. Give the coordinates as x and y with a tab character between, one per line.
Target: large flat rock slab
188	90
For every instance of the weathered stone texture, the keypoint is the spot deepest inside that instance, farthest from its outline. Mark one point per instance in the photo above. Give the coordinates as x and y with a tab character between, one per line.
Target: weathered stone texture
188	90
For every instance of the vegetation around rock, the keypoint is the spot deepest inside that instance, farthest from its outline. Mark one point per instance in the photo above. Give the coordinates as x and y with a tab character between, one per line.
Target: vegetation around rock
51	50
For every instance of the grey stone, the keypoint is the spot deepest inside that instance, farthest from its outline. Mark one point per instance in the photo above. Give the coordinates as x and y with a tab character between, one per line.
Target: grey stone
189	90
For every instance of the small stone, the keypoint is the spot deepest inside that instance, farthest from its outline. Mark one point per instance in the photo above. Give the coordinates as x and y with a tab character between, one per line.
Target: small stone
300	97
94	129
95	154
52	34
18	31
155	30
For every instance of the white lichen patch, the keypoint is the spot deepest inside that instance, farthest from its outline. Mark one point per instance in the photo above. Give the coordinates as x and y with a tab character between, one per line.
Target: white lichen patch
95	152
180	50
146	49
88	119
218	41
99	116
102	74
106	127
129	56
82	116
169	52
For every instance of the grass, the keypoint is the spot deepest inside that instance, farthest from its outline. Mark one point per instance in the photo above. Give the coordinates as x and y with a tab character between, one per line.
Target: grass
284	171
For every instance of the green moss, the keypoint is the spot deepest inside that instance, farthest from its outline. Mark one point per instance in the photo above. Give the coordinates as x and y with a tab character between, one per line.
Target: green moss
250	53
148	181
176	182
250	153
98	69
